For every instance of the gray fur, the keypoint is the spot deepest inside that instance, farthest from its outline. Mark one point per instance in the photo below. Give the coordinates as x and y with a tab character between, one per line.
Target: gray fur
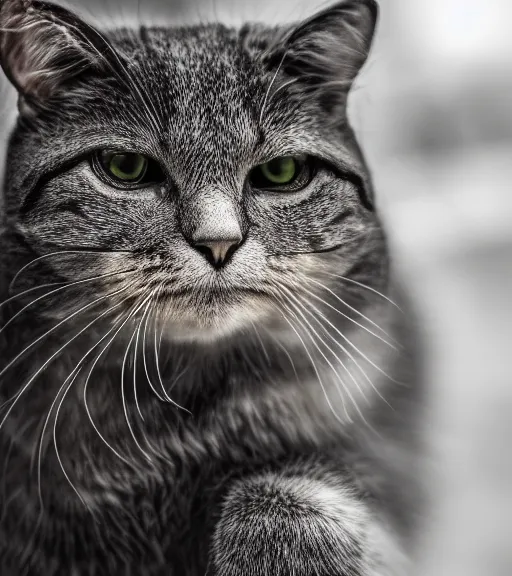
258	418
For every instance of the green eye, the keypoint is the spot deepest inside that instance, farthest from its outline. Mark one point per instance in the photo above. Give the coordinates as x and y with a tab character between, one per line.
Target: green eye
126	170
283	174
280	170
126	167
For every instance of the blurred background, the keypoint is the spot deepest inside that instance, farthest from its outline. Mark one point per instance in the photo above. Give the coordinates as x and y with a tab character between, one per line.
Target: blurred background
433	111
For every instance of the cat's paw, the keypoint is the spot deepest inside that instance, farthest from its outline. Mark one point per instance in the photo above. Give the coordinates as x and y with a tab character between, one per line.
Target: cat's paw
282	525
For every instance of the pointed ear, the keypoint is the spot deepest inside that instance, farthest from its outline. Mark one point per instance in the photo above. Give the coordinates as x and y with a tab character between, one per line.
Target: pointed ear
44	47
327	51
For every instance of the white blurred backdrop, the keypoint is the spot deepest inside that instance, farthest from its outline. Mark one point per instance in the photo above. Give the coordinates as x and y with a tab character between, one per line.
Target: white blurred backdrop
433	111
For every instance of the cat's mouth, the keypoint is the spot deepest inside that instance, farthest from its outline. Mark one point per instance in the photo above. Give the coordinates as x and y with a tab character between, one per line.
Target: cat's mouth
216	293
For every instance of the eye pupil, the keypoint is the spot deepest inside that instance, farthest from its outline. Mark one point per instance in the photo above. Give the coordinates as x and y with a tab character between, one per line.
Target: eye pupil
128	167
279	166
280	170
125	163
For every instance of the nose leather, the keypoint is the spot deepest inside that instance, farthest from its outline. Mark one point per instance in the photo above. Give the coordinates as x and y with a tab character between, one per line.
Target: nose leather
218	251
213	225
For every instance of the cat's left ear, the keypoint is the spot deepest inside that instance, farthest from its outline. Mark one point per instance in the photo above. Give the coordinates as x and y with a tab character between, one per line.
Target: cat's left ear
44	48
326	52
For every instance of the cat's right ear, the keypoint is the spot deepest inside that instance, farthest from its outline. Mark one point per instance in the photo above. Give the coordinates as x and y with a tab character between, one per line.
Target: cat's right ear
323	54
44	48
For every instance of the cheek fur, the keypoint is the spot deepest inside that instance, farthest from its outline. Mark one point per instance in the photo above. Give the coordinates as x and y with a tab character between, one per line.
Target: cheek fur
326	216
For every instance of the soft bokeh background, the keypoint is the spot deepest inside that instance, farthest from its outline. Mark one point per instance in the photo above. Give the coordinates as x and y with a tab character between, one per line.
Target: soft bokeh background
433	111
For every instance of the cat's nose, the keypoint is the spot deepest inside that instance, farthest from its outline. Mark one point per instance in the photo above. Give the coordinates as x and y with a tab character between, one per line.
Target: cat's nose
219	251
212	224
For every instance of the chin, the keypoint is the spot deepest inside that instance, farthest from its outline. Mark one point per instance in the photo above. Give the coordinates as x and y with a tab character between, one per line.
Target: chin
216	323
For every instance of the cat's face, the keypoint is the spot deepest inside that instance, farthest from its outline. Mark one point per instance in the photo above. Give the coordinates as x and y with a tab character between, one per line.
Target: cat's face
205	175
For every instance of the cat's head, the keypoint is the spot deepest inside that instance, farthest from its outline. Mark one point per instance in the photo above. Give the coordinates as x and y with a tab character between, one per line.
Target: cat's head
206	173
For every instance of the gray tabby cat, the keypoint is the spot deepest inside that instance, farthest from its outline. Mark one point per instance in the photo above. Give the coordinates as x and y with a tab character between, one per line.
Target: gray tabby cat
200	361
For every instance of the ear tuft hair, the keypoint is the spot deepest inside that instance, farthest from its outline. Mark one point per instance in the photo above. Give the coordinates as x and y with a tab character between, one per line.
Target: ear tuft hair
326	52
43	47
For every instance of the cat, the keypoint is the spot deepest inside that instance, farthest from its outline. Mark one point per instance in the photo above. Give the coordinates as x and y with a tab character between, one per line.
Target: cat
208	365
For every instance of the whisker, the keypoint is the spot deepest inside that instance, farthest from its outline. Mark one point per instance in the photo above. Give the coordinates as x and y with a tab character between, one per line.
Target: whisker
146	370
164	324
43	367
159	291
314	366
348	317
300	305
160	379
135	359
73	375
123	323
265	353
47	294
177	379
284	85
286	353
57	453
28	291
60	253
123	396
343	349
156	347
366	287
353	346
335	372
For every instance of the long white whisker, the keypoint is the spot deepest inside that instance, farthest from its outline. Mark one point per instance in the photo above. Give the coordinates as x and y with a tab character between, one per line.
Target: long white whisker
265	353
335	372
72	375
177	379
361	285
164	324
60	289
344	350
300	305
313	364
123	323
160	379
32	262
28	291
286	352
53	356
135	395
353	346
157	349
157	364
348	317
144	348
123	396
161	337
284	85
59	253
66	475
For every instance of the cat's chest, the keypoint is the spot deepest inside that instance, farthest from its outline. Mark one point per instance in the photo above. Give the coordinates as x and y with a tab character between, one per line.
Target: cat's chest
168	521
147	514
190	453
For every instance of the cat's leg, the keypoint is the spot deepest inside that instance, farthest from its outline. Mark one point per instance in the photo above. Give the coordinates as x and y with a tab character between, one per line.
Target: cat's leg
302	524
